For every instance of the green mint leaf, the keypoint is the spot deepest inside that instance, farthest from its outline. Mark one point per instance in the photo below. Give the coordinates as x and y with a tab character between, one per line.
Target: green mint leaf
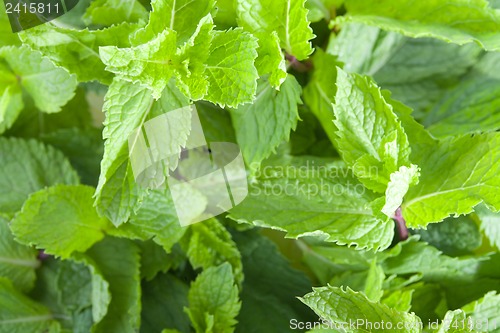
148	64
420	139
287	17
321	9
319	94
455	321
269	279
73	284
110	12
11	99
226	14
67	292
411	257
28	159
399	300
37	124
370	137
400	182
49	86
485	311
154	259
453	236
423	82
271	61
77	229
369	56
325	201
17	262
182	16
263	125
478	113
456	21
118	261
19	314
156	219
213	300
216	123
211	234
342	306
231	71
417	71
163	301
78	50
490	224
191	59
456	175
373	288
100	293
7	37
83	148
127	107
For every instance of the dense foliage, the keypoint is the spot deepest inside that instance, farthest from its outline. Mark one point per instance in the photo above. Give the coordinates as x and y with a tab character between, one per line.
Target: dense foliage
370	134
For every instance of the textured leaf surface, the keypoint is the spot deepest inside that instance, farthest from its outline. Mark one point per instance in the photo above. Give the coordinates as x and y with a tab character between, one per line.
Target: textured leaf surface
17	262
418	71
213	300
455	321
364	49
271	60
231	70
398	186
211	234
182	16
191	58
11	99
49	86
74	288
319	94
109	12
60	220
287	17
18	313
456	175
118	261
28	159
78	50
263	125
340	306
156	219
269	279
127	107
490	224
370	137
458	21
164	299
148	64
472	106
453	236
7	37
485	310
329	202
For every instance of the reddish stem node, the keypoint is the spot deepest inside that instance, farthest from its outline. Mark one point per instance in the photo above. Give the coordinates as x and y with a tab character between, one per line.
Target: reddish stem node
401	224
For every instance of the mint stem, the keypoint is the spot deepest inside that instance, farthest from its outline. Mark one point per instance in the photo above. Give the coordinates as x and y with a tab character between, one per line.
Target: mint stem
301	67
401	224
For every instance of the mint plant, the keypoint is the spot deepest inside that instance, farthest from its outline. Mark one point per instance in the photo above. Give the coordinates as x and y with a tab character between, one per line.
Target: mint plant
369	132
